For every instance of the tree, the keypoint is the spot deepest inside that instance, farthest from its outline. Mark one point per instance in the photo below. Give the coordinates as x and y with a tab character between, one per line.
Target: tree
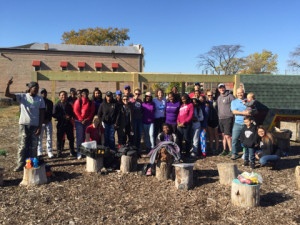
222	59
260	63
294	62
96	36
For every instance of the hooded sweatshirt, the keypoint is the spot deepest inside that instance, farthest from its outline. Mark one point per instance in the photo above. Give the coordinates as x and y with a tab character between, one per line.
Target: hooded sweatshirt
249	136
84	109
224	103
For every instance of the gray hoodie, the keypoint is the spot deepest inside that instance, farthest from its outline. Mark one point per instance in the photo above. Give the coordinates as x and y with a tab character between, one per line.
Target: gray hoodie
224	102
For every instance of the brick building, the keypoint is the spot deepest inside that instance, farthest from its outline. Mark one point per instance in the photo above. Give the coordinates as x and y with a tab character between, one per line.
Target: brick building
20	61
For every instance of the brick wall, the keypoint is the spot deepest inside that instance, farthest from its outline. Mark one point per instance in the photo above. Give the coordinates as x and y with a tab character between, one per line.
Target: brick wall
18	64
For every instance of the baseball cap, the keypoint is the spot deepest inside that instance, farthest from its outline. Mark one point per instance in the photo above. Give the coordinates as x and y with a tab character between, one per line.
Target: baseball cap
32	84
118	92
127	87
148	93
221	85
108	93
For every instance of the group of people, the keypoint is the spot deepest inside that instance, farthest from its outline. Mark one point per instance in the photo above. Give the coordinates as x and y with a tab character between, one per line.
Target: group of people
185	119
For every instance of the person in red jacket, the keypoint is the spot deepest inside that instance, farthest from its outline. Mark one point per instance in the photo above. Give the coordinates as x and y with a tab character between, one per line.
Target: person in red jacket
84	110
184	123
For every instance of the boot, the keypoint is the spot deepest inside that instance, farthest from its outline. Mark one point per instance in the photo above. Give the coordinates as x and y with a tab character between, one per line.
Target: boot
59	153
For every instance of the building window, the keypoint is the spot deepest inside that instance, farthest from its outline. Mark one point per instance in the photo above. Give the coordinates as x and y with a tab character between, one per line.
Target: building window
81	66
98	66
64	65
36	64
115	67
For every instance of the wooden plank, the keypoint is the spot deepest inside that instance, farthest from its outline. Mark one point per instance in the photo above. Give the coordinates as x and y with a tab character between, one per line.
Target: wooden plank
160	77
135	79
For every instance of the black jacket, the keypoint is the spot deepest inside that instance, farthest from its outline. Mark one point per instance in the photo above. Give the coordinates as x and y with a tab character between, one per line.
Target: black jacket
108	112
249	137
48	110
61	110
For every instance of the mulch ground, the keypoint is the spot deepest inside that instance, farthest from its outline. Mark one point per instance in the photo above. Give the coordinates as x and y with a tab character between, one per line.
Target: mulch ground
73	196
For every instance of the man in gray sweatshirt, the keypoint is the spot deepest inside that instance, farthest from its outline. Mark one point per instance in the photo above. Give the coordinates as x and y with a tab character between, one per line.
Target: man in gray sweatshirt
225	117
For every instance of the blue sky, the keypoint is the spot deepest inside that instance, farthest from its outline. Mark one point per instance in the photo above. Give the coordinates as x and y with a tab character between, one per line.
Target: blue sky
173	33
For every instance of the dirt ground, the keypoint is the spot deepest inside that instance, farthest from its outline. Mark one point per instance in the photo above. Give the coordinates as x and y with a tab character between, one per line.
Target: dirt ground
73	196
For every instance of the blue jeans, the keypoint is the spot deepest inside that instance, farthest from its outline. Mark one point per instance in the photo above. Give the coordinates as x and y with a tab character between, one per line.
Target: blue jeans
109	136
195	131
236	144
80	133
137	130
268	158
149	135
249	154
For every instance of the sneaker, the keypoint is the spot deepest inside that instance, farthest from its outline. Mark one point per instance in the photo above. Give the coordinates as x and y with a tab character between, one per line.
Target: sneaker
103	171
79	156
229	154
204	154
58	154
234	157
224	153
246	163
149	172
73	154
50	155
252	165
193	155
19	169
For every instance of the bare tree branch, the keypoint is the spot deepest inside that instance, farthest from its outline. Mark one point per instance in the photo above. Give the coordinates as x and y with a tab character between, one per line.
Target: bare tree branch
221	59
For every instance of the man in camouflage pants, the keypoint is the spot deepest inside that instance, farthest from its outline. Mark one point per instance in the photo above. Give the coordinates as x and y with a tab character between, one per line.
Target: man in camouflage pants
32	108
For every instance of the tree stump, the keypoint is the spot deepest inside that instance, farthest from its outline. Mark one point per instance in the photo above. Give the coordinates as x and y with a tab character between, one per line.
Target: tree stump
227	172
94	165
297	173
244	195
128	164
34	176
163	170
184	176
1	176
164	165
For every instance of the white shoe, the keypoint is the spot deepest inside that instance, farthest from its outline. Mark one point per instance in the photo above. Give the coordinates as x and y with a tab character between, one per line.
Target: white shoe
194	155
79	156
50	155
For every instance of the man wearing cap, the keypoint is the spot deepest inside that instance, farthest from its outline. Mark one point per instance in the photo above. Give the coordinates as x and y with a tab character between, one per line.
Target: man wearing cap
119	96
107	114
84	110
47	126
127	92
225	117
32	108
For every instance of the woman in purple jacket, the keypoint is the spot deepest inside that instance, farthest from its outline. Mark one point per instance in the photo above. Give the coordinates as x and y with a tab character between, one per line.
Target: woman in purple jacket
172	110
148	108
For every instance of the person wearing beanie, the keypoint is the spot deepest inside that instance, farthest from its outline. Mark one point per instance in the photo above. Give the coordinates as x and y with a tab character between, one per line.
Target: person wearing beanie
32	109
